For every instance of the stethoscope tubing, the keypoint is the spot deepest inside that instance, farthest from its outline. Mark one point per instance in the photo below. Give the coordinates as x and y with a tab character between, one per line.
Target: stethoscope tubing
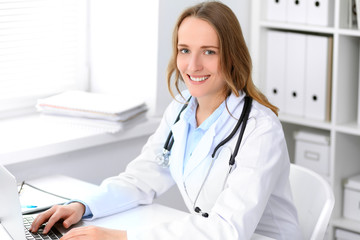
241	122
170	140
247	108
243	119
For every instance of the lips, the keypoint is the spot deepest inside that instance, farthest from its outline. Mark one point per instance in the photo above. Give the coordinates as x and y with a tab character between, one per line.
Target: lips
198	78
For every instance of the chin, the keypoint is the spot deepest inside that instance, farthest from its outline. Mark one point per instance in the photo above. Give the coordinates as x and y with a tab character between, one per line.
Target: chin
196	93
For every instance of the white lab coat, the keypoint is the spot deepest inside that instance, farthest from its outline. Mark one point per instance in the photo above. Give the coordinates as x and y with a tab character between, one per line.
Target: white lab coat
255	198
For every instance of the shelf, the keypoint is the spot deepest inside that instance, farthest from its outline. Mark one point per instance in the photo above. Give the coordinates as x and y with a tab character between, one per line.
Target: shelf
343	129
350	128
350	32
35	137
346	224
304	121
297	27
311	29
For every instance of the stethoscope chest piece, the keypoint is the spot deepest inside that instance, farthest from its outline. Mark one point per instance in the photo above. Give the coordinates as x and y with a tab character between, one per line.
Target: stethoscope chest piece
163	159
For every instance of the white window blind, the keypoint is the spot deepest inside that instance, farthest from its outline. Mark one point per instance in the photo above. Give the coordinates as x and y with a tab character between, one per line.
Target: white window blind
43	47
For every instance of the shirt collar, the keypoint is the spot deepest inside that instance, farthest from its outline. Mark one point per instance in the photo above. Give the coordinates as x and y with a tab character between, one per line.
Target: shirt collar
190	115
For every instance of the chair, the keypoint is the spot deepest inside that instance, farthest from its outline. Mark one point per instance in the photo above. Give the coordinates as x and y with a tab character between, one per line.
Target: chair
314	201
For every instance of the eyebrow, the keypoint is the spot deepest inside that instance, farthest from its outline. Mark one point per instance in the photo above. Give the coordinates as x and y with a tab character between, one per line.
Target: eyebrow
207	46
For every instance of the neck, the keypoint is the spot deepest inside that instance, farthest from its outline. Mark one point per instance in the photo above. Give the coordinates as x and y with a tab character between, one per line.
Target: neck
206	107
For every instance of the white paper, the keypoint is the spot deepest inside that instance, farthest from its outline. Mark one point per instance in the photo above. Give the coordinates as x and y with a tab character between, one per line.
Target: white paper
32	199
91	105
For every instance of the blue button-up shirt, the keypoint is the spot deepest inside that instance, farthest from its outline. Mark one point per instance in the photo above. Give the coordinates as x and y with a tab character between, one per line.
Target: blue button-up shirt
195	133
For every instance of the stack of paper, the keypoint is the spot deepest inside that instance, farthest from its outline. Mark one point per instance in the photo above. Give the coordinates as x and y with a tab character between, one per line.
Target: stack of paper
108	112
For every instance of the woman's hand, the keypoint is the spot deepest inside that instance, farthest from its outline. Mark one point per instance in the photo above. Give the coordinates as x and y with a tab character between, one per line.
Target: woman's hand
94	233
70	214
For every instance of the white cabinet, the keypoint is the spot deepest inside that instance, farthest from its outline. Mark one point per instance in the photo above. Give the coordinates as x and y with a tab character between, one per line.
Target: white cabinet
343	124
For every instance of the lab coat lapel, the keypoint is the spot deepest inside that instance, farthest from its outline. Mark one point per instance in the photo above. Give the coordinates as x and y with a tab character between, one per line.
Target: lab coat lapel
205	145
200	152
179	130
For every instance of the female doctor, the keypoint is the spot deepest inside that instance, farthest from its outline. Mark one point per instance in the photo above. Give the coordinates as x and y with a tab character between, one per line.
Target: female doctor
227	199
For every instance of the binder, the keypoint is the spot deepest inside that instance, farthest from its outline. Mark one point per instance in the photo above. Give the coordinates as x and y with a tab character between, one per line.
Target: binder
352	9
319	12
276	10
275	68
318	77
295	73
358	116
358	13
296	11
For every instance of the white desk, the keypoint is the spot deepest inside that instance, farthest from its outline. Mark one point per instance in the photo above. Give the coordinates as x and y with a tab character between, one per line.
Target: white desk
137	218
145	217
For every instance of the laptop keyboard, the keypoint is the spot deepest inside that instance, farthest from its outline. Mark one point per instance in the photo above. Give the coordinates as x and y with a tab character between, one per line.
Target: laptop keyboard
52	234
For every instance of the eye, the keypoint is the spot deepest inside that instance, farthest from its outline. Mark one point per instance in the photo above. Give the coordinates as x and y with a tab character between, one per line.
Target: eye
184	50
209	52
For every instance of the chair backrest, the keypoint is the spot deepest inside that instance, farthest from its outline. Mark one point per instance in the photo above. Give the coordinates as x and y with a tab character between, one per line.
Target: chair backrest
314	201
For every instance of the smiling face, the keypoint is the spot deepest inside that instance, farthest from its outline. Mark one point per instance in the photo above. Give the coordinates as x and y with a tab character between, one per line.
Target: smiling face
198	59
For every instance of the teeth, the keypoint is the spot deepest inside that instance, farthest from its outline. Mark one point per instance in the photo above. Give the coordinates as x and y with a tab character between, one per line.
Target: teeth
198	79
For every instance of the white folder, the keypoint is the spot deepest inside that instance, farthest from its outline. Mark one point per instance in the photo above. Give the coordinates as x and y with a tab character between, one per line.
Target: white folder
358	12
295	74
358	116
296	11
319	12
275	68
318	78
276	10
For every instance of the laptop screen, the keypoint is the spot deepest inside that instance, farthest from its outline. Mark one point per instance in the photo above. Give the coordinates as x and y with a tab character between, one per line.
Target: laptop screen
10	210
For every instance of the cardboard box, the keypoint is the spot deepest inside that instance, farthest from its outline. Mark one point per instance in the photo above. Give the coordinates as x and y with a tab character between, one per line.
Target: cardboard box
351	207
312	150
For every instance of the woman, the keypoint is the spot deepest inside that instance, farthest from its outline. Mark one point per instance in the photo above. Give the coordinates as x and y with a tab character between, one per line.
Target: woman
227	202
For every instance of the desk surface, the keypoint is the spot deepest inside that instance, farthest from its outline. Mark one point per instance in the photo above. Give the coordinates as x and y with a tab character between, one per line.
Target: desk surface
141	217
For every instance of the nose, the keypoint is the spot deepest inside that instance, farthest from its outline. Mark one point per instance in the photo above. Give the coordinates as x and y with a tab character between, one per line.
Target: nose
195	63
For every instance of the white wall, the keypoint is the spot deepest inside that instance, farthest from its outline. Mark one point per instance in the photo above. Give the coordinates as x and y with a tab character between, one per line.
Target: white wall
91	164
123	47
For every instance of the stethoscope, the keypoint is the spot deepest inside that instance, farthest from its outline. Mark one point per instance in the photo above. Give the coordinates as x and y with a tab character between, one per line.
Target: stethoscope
163	159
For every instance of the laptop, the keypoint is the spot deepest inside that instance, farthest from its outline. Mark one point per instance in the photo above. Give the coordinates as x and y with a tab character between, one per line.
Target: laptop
11	218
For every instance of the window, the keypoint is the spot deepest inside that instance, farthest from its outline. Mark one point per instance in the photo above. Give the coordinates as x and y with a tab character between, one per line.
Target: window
43	49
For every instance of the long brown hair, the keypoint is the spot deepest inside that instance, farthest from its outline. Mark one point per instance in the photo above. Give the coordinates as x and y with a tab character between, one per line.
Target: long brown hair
235	60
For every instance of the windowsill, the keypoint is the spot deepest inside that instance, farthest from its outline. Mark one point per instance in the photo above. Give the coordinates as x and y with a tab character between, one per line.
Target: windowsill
33	137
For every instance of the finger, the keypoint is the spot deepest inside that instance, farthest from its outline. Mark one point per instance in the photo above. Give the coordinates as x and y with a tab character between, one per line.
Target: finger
40	219
54	219
77	211
72	219
76	233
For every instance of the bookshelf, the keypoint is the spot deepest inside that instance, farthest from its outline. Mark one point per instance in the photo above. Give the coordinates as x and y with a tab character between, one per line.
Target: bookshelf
343	126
